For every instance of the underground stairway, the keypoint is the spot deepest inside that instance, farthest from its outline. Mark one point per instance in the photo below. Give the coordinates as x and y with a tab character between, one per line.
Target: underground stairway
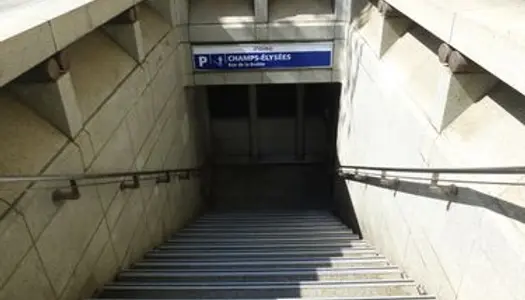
264	255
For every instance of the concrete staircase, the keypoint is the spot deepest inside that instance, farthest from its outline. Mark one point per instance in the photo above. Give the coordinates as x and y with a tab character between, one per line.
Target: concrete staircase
264	255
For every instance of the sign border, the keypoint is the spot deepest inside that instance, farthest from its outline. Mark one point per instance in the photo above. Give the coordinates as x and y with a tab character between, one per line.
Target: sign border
325	46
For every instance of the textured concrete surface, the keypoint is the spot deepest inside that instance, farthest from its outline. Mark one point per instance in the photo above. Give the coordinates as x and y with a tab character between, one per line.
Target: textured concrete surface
226	11
55	101
97	56
440	94
463	247
260	8
153	27
33	142
167	9
47	27
467	24
300	10
129	37
134	116
383	32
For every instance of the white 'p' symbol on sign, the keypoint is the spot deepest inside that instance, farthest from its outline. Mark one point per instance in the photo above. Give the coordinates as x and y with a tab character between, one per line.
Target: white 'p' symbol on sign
202	61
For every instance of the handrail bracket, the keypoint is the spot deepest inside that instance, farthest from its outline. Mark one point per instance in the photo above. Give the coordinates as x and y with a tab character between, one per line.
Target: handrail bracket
164	179
389	182
60	195
449	190
360	177
125	185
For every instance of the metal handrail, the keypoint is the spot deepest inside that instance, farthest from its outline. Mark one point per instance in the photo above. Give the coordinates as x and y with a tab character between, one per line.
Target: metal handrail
127	180
88	176
466	171
390	176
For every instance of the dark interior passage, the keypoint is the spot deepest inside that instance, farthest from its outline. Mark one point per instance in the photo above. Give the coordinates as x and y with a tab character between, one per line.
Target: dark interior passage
272	146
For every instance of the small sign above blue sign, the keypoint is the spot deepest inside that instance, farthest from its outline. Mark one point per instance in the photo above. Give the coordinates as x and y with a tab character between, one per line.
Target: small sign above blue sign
263	56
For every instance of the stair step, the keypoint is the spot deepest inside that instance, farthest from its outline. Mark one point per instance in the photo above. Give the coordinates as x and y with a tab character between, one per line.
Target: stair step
161	256
262	265
264	219
297	245
243	269
228	284
151	275
411	297
266	290
267	215
265	229
269	262
273	227
280	234
268	225
261	254
256	239
274	215
268	212
305	221
287	255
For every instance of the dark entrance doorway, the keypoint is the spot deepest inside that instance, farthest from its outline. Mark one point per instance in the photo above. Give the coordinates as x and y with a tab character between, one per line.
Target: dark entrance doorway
272	146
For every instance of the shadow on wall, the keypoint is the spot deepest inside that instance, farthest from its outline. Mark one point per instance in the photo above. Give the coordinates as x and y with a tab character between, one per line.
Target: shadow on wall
466	196
359	12
510	100
344	208
343	205
359	16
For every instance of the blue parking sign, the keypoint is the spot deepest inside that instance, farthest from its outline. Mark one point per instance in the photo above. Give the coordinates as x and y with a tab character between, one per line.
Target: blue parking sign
263	56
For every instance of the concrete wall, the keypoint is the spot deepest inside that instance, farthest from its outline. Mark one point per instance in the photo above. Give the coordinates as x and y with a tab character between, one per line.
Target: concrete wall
48	28
134	115
467	24
467	247
256	21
